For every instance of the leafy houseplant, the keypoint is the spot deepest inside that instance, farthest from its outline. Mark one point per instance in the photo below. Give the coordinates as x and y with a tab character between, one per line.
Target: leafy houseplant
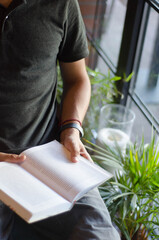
102	85
132	197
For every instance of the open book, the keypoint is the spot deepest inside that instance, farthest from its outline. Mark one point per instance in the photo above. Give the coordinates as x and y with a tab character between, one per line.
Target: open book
47	182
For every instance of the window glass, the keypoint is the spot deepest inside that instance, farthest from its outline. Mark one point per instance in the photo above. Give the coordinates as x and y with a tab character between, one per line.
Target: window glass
147	80
141	127
112	28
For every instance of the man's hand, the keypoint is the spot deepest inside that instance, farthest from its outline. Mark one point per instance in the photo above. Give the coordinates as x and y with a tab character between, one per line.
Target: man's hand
12	158
70	139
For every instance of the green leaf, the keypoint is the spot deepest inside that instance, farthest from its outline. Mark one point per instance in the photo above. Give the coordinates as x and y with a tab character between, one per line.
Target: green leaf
132	160
127	79
134	202
122	195
137	164
120	185
107	159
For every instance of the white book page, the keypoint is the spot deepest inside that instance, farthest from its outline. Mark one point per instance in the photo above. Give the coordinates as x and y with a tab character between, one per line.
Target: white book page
26	189
51	164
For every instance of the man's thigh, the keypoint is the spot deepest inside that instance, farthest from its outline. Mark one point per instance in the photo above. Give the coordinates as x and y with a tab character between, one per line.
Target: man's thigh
92	220
6	222
88	220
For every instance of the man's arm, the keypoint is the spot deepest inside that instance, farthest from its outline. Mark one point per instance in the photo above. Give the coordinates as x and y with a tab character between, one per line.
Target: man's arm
75	101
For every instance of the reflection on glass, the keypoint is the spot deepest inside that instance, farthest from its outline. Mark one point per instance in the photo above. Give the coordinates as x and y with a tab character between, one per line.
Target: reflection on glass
147	82
112	29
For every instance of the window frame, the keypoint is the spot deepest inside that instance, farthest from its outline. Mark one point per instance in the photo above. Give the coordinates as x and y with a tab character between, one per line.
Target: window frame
131	47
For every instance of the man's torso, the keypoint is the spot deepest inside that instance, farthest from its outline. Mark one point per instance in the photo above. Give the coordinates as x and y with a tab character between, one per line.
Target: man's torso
30	37
32	34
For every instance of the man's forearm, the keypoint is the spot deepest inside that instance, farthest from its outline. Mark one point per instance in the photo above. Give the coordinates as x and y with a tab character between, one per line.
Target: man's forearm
75	101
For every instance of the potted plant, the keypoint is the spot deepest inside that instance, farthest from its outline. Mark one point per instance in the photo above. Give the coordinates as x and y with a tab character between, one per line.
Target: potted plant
132	197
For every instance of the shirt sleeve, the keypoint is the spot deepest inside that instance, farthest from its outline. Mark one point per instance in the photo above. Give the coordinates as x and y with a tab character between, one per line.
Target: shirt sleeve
74	44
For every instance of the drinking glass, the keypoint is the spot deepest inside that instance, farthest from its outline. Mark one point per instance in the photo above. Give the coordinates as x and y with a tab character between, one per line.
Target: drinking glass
115	125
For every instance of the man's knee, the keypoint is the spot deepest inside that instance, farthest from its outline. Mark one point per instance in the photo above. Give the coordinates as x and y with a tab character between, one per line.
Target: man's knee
92	219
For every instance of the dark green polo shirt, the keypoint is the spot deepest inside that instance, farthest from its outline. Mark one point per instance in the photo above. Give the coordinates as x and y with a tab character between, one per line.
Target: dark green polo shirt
34	34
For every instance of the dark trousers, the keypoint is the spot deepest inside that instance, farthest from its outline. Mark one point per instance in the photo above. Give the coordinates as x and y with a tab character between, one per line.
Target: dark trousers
88	220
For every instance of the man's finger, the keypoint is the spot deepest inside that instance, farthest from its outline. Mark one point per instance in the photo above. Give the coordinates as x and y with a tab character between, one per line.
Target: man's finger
12	158
87	156
74	155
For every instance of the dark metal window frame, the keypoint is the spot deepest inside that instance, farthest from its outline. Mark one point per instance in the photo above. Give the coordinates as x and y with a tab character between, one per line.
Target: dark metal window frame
154	4
130	38
129	58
